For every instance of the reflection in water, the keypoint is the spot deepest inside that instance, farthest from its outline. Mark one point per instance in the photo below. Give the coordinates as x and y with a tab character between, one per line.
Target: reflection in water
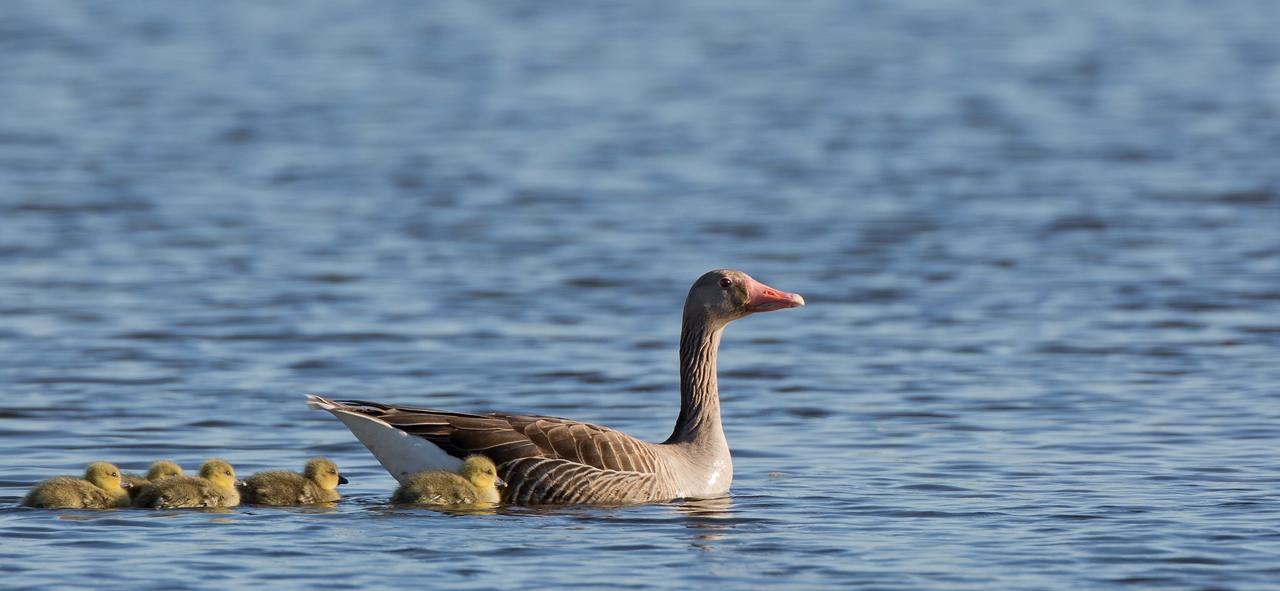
397	511
718	508
713	508
456	510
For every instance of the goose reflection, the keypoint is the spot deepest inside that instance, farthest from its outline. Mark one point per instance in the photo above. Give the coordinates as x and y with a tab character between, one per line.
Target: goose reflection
712	508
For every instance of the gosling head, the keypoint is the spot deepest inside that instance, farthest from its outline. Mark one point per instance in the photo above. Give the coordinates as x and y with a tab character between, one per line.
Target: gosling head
220	473
104	476
480	471
163	469
324	473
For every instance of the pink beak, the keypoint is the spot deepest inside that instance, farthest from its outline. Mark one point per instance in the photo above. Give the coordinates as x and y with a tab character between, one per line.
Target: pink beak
762	298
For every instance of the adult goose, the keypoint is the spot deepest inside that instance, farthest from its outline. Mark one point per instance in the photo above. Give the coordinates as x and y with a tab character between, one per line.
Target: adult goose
547	460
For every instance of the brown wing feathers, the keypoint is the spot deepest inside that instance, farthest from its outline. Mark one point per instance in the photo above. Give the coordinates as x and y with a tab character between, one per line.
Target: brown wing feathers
543	480
543	459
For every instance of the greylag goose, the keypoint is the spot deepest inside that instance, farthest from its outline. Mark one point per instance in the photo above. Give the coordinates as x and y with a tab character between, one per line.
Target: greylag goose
280	487
215	487
101	488
478	482
547	460
158	471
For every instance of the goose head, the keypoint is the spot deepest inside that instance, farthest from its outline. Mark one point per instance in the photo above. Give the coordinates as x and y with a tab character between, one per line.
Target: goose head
220	473
722	296
163	469
105	476
480	471
324	473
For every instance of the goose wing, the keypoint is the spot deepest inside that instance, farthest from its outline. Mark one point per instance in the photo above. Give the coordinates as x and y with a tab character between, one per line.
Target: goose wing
560	481
510	437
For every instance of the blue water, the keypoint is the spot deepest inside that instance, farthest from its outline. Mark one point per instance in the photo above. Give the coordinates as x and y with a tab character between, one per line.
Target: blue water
1039	242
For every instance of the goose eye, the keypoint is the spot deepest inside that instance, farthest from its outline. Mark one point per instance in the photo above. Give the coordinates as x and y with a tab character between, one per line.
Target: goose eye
725	282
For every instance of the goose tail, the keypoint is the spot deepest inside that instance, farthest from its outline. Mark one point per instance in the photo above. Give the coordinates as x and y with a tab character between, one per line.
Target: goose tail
402	454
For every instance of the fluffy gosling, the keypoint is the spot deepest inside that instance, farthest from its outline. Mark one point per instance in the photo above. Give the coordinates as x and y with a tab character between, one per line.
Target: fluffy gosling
477	483
158	471
101	488
215	487
280	487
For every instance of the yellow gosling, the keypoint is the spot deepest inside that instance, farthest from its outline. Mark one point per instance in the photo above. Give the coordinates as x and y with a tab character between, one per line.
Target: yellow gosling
101	488
158	471
477	483
215	487
316	484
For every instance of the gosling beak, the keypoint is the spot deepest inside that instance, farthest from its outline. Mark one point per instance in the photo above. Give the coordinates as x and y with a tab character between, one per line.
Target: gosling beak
240	483
342	479
126	484
762	298
498	482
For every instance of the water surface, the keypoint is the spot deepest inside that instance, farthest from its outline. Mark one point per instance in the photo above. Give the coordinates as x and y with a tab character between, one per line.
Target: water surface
1040	247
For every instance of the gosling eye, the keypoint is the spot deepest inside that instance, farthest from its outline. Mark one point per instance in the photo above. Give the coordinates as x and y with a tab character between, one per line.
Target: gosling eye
725	282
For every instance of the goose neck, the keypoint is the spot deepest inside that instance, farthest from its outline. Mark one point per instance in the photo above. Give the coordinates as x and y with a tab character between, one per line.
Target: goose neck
699	394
